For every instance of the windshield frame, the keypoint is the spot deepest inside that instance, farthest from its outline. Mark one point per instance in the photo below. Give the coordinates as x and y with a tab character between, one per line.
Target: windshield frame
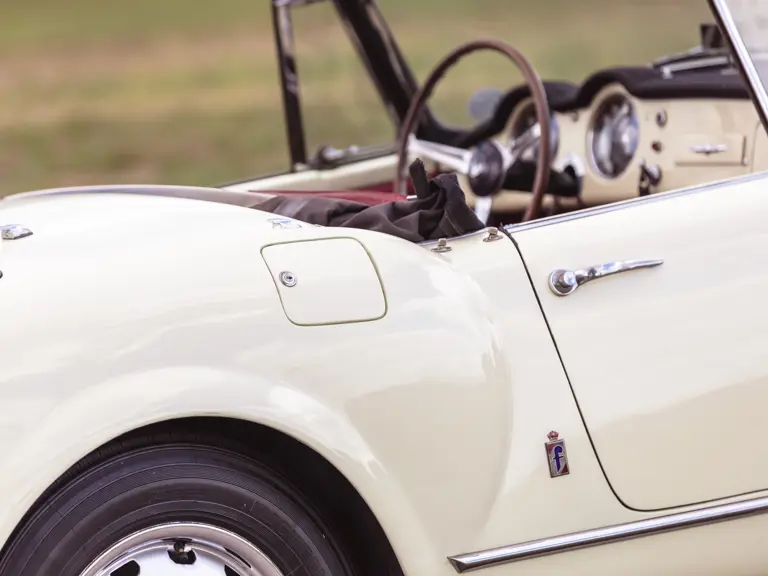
377	49
396	83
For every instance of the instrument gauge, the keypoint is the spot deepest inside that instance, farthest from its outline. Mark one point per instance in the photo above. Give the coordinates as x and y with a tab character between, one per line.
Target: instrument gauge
524	122
613	136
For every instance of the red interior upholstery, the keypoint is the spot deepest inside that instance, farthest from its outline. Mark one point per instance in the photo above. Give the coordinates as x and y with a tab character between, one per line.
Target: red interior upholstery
369	197
372	195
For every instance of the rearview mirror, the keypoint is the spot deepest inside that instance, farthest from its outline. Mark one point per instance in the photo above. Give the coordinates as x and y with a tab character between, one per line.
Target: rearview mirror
711	37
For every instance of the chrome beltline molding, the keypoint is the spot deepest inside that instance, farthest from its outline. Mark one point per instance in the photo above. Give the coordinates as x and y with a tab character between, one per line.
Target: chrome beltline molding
608	535
632	202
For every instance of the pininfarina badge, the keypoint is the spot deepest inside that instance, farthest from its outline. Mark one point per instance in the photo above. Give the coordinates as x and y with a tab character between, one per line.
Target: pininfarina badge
556	455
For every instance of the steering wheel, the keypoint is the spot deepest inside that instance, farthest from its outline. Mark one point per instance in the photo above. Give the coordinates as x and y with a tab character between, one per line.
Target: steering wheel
487	163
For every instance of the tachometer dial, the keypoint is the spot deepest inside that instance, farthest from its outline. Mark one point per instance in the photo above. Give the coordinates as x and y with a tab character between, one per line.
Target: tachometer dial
613	136
524	122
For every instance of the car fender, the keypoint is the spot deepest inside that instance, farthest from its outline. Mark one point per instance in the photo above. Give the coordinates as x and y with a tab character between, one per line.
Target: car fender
130	310
127	402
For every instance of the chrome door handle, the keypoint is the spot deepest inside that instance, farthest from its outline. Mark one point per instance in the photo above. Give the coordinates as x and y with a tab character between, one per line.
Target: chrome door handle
564	282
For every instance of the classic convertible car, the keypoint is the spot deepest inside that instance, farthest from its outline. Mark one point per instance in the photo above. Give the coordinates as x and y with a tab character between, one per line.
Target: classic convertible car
195	382
625	131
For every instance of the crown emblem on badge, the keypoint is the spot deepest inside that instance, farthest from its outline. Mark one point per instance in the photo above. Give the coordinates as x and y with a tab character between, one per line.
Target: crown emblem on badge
557	458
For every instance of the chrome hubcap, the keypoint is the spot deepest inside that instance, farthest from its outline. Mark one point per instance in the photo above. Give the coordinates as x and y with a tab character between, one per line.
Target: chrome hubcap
183	549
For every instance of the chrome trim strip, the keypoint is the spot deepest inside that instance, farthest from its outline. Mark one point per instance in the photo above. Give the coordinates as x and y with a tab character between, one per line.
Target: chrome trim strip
485	230
217	195
607	535
632	202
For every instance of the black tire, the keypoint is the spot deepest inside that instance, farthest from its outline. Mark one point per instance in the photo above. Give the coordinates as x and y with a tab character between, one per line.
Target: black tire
173	482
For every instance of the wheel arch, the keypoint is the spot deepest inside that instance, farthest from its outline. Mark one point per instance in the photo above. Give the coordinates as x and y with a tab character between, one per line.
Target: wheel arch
358	528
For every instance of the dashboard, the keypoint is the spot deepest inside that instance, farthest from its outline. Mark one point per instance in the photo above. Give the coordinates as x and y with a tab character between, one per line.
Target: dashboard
623	137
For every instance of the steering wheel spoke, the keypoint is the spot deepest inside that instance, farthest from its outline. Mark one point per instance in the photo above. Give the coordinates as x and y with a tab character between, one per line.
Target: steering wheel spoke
487	164
483	206
524	142
456	159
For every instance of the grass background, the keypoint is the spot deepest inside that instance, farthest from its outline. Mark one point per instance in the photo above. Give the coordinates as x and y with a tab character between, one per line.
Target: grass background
186	92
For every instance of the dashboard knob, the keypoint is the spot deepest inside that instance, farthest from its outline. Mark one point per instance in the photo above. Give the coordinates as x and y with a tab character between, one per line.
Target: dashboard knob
650	177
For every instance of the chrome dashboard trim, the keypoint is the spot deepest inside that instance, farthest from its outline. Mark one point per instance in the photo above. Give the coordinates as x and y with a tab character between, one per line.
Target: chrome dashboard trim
708	149
607	535
701	63
632	202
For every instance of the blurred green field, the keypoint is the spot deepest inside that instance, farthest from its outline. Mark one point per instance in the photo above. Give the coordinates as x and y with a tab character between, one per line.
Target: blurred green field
182	92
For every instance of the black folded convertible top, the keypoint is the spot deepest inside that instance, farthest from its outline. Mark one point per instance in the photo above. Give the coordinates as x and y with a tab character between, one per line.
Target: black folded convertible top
439	210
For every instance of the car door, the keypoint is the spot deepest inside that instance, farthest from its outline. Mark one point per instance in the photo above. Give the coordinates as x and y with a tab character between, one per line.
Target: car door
668	363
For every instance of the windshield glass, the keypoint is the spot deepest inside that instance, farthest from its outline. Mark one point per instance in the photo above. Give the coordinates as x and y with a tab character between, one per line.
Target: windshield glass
340	105
564	39
746	23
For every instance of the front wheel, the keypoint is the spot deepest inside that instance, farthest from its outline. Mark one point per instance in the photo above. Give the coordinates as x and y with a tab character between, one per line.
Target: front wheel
183	548
187	509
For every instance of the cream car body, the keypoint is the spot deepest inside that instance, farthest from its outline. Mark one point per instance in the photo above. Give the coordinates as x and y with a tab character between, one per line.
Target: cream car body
185	319
129	306
99	350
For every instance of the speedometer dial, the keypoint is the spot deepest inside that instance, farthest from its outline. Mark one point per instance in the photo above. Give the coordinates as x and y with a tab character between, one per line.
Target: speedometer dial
524	122
613	136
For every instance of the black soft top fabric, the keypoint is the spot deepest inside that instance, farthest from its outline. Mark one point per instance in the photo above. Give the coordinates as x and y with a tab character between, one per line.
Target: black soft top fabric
439	211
